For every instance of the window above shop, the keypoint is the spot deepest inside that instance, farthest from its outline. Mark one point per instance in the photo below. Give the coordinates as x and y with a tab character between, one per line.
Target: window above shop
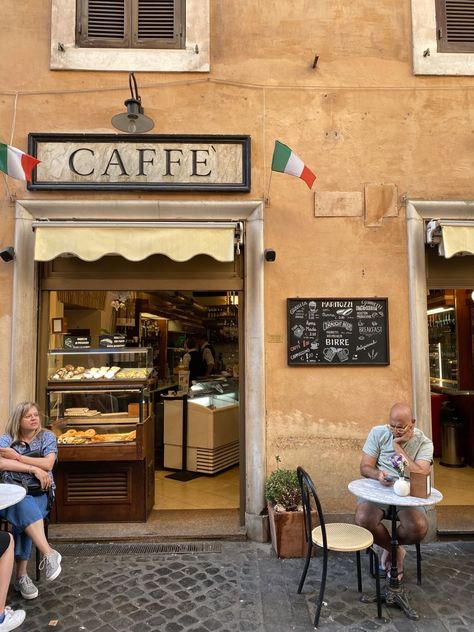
130	23
455	26
443	37
165	36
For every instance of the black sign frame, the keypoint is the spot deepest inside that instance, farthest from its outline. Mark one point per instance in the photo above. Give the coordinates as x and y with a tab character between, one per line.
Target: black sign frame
338	332
35	138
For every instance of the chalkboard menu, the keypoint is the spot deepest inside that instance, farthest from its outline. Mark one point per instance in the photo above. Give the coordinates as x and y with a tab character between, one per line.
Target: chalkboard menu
337	331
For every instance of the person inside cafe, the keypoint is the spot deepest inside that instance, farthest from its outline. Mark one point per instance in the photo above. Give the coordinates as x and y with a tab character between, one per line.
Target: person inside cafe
192	358
398	437
24	436
9	619
207	355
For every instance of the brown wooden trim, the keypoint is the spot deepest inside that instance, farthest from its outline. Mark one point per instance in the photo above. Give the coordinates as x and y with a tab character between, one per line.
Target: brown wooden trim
464	340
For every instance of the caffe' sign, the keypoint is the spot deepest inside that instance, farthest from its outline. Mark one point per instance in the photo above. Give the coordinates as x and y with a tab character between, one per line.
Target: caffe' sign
110	161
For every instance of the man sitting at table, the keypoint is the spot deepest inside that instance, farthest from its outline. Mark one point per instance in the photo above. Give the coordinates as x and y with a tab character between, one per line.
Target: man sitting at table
399	437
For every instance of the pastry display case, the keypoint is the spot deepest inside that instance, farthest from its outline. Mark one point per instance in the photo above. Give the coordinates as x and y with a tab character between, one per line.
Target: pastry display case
105	434
99	365
212	416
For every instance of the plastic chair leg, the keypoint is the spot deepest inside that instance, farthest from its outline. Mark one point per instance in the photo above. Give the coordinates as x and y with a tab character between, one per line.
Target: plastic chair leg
306	564
321	589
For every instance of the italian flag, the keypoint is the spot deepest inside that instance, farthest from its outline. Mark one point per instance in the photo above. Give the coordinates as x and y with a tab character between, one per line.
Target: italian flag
16	163
286	161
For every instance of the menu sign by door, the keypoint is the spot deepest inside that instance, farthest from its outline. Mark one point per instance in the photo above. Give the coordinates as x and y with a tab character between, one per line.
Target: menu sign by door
337	331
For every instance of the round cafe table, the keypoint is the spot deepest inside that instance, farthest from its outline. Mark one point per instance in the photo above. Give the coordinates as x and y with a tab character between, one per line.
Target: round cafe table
10	494
374	491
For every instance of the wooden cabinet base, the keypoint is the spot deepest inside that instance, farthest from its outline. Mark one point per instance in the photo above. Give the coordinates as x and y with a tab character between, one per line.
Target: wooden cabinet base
107	491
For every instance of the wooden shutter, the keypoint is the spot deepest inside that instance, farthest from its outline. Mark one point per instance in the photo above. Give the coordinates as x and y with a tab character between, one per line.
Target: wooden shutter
158	23
130	23
455	26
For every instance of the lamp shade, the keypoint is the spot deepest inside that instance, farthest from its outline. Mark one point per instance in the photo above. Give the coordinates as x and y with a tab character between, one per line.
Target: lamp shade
134	120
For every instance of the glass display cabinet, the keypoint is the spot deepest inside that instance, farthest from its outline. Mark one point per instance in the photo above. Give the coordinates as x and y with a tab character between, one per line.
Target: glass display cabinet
100	365
443	349
212	442
105	432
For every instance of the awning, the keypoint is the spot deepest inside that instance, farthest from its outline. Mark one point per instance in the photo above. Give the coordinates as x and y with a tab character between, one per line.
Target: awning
453	237
136	241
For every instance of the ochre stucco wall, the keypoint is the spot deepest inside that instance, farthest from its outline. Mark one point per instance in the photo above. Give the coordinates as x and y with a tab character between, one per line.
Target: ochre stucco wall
360	117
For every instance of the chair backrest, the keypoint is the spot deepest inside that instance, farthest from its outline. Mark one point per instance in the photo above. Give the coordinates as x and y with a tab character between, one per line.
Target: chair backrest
308	493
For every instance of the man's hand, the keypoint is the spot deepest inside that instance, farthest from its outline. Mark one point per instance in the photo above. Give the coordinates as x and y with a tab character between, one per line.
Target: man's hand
385	478
406	436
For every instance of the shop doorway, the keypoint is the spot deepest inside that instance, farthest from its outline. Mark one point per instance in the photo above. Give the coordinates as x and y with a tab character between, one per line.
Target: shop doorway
168	326
442	354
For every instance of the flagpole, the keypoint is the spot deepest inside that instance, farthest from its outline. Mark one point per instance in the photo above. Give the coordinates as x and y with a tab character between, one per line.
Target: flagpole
267	197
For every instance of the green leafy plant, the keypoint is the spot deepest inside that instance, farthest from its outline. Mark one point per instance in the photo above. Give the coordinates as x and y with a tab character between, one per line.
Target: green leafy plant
282	488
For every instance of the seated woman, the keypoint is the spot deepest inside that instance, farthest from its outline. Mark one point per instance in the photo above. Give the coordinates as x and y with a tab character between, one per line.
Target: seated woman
9	619
25	433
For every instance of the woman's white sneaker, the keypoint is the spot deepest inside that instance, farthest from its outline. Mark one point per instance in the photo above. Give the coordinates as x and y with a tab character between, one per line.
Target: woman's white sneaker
13	619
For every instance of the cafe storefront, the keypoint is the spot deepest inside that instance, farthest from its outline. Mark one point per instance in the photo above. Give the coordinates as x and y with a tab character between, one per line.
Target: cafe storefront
134	231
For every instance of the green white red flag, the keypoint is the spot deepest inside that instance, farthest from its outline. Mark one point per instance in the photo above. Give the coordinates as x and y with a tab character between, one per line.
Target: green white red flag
286	161
16	163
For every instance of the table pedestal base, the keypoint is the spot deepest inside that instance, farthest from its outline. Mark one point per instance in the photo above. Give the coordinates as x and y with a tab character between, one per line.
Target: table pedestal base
394	597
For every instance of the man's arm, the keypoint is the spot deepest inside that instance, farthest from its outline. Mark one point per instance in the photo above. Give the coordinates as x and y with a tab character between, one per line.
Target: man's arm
369	469
419	466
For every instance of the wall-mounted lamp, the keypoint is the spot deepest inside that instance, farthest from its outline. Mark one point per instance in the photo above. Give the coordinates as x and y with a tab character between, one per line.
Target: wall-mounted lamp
134	120
7	254
270	254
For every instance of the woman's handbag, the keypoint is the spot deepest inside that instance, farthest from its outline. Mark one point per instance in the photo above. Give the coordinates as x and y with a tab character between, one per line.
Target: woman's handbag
31	484
29	481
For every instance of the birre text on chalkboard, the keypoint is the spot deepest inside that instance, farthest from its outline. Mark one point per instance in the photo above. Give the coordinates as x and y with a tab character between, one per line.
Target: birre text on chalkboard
337	331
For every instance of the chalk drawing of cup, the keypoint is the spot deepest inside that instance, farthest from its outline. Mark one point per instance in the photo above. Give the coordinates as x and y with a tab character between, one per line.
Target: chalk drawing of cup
314	344
343	354
329	353
298	330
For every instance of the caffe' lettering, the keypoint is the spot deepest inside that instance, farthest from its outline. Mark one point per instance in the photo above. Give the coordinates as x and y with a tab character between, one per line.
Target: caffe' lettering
144	161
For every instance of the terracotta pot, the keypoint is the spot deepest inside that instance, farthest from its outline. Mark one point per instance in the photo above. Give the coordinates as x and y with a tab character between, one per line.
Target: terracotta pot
287	532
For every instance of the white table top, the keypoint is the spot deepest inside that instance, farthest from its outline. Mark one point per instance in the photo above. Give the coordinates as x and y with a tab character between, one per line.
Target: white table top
10	494
373	490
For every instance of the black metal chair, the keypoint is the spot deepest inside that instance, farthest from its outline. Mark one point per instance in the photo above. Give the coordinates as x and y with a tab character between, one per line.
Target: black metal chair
341	537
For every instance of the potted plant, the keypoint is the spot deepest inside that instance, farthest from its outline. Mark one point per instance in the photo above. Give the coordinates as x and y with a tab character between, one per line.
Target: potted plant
285	512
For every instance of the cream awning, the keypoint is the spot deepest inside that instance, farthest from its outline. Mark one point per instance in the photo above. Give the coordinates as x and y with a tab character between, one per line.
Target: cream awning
136	241
453	237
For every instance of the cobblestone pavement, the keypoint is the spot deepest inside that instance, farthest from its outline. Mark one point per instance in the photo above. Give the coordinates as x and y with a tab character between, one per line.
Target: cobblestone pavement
238	587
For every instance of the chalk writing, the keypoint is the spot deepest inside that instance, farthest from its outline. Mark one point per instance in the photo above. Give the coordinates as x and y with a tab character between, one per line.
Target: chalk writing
337	331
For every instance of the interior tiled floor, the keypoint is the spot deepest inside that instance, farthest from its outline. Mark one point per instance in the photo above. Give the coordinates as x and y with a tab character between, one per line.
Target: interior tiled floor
220	491
455	483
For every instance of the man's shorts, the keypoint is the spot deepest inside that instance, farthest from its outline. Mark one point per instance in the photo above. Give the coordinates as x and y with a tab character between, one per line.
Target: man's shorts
385	508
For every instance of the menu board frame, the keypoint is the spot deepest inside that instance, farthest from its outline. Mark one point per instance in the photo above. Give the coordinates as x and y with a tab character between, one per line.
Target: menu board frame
338	331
